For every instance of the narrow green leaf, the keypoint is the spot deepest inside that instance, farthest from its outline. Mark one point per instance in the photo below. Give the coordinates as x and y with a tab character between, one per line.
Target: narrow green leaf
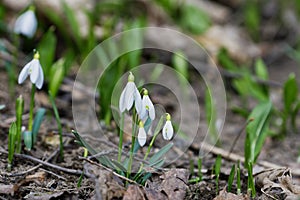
19	112
11	143
160	153
238	179
39	116
257	130
231	178
59	126
57	74
103	159
180	63
27	136
290	92
46	48
261	69
294	115
218	164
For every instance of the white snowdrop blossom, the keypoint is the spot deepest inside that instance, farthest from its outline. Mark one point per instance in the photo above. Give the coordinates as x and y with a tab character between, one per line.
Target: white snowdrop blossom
34	69
142	136
130	95
147	107
168	131
26	23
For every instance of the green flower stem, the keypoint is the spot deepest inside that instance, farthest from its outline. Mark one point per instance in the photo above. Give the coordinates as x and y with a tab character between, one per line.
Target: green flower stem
30	122
19	113
134	128
121	137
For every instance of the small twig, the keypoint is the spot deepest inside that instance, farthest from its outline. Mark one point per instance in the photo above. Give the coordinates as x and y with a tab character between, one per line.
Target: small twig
235	157
103	153
108	169
238	136
35	167
70	171
54	174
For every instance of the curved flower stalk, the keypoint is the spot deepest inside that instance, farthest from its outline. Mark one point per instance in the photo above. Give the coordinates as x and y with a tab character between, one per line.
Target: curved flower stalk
142	136
26	24
147	107
168	131
130	95
34	70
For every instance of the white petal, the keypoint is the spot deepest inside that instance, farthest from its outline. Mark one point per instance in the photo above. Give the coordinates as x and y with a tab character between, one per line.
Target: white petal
122	106
129	95
35	68
168	130
142	137
24	73
40	81
138	101
151	111
26	24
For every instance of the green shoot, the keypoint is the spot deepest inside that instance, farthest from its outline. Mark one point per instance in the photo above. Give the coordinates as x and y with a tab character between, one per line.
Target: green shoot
11	144
251	184
231	178
121	137
199	169
19	113
61	146
238	179
217	169
39	116
85	154
192	166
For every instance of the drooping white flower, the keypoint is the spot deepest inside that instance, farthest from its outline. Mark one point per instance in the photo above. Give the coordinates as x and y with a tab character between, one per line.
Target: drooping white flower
130	95
34	69
147	107
168	131
142	136
26	23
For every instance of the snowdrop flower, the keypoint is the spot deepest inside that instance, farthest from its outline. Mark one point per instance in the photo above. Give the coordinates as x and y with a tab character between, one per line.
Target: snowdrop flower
167	131
129	95
26	23
34	69
142	137
147	107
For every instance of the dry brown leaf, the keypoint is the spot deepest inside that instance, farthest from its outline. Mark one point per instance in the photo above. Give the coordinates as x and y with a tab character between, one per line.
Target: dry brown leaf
8	189
133	192
224	195
175	183
43	196
277	184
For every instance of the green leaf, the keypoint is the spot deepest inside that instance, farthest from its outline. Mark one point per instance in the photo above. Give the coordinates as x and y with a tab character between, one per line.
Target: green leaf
290	92
74	26
104	160
294	115
57	74
225	61
231	178
39	116
160	153
46	48
180	63
27	136
193	19
261	69
11	143
256	131
58	125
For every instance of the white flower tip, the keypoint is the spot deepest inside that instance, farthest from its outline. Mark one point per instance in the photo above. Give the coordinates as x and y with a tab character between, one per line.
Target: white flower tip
168	131
142	137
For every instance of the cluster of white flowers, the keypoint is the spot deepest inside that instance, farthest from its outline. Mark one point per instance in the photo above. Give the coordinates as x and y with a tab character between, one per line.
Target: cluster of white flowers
144	108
